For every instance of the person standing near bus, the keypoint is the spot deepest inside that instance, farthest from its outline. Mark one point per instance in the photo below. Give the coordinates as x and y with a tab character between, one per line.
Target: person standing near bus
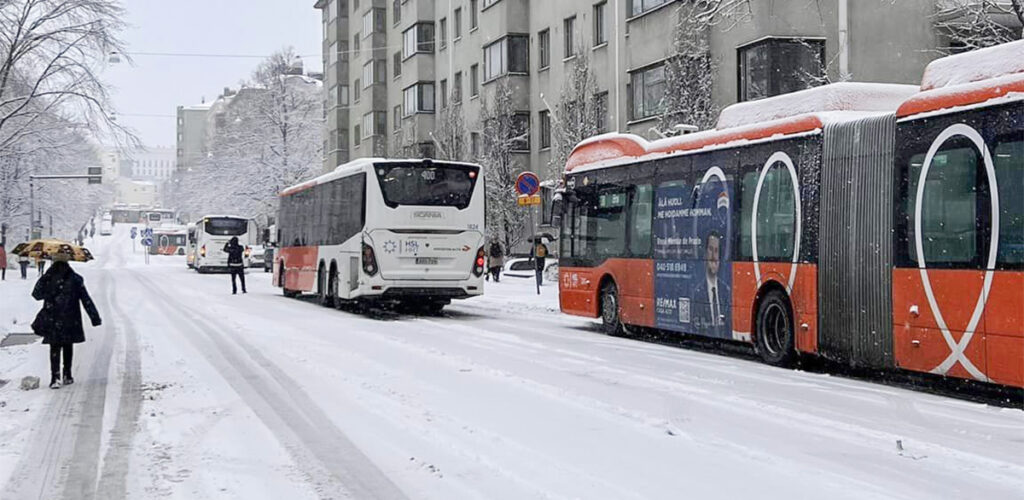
3	263
496	260
539	254
235	263
40	266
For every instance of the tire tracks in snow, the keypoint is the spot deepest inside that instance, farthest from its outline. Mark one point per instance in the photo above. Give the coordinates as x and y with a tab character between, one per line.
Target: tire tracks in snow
333	463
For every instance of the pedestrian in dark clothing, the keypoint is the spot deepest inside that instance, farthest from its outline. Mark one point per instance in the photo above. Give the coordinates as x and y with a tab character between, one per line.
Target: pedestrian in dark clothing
60	321
23	263
497	260
3	263
40	267
539	254
235	264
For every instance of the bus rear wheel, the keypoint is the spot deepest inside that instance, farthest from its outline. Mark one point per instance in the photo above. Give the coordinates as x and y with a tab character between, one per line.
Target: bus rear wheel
775	334
611	324
282	278
323	296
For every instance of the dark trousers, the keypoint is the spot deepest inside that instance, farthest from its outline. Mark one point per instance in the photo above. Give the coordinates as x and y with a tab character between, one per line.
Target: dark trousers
55	352
24	270
496	273
240	273
3	273
42	267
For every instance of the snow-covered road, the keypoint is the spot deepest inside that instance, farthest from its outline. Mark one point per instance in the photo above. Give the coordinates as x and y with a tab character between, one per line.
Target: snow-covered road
190	392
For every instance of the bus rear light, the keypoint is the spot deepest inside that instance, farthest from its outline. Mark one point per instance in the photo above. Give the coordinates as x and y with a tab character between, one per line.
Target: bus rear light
248	251
369	260
478	265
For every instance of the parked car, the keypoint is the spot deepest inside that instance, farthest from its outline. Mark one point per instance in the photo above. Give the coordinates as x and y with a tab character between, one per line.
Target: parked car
257	254
523	267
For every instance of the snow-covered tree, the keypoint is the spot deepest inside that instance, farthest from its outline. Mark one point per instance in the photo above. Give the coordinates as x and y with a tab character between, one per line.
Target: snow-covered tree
975	24
449	133
690	70
576	116
264	138
502	137
50	52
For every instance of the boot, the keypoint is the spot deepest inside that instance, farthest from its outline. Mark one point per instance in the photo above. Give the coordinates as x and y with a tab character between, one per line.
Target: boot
54	382
68	379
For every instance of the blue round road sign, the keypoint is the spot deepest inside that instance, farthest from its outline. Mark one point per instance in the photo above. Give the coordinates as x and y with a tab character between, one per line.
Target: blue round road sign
527	184
147	242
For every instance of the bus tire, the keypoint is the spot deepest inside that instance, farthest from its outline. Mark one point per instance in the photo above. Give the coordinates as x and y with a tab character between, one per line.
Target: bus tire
321	287
332	285
776	337
282	281
610	320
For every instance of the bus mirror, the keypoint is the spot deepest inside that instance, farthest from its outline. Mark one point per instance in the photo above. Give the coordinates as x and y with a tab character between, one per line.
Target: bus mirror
557	206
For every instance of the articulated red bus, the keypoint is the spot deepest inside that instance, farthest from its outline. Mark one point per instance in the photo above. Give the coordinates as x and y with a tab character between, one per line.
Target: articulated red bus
877	225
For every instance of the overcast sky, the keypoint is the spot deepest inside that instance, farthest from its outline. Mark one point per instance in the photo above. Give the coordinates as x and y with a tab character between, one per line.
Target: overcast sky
156	85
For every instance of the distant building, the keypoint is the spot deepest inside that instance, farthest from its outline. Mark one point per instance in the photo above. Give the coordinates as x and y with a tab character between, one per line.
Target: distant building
153	164
191	138
142	193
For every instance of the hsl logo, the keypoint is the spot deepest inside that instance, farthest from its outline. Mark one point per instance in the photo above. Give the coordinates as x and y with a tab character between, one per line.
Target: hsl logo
424	214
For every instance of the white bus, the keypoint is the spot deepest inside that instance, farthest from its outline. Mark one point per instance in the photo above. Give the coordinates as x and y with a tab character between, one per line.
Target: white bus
398	231
211	233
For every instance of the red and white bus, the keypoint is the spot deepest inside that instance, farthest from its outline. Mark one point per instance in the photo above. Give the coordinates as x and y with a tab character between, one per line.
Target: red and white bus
876	225
403	231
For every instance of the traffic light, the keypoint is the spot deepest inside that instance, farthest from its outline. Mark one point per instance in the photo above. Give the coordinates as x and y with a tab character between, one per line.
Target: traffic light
95	175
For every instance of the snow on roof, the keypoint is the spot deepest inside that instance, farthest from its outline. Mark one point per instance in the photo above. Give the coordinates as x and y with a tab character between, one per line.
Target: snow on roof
977	77
197	107
356	166
843	96
974	66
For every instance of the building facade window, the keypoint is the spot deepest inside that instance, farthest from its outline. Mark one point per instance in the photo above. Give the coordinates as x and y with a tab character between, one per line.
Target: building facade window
419	98
778	66
398	63
601	112
474	144
457	23
505	56
544	119
521	132
396	12
343	95
637	7
544	48
443	27
457	88
373	22
396	119
357	89
648	89
343	50
375	123
355	44
600	24
444	93
356	138
488	3
569	25
474	80
474	14
374	72
418	39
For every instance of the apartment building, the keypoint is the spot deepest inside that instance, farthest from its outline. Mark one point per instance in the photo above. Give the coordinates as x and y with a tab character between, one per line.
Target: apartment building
391	66
191	135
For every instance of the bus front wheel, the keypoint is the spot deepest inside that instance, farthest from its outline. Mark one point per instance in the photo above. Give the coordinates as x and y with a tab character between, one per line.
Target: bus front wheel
775	334
610	321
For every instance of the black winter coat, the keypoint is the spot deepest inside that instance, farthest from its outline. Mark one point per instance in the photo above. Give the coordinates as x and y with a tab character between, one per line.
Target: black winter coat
60	320
234	252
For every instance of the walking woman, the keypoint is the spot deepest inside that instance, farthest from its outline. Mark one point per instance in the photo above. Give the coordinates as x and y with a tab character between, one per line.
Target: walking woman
3	263
235	263
60	321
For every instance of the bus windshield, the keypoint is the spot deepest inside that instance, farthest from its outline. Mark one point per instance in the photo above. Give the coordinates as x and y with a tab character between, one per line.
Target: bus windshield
225	226
443	185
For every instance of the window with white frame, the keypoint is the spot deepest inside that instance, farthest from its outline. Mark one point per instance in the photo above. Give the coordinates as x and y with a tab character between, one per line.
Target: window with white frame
418	39
419	98
569	29
374	123
509	55
373	22
600	24
457	23
637	7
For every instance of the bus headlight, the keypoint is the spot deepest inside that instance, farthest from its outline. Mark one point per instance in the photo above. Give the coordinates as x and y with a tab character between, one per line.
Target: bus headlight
369	260
202	251
478	264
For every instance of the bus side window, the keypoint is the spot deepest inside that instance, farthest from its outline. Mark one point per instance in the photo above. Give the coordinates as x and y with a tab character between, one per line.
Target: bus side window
949	206
640	219
1008	158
